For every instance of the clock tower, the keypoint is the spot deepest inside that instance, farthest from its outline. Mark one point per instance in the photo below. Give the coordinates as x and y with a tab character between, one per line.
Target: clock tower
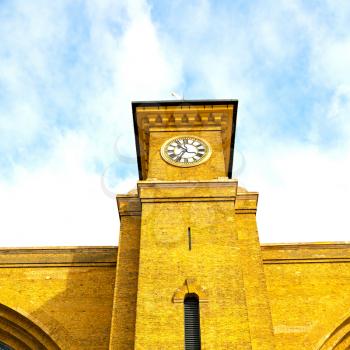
189	269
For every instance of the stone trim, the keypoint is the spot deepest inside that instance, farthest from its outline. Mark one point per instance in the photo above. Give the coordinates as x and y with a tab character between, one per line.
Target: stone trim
19	332
339	338
298	253
190	286
58	257
128	205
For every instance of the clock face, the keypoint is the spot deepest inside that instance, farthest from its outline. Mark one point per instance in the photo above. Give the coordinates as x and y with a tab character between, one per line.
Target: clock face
185	151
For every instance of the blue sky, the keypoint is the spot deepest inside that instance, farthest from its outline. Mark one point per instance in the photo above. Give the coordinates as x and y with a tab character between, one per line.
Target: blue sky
69	70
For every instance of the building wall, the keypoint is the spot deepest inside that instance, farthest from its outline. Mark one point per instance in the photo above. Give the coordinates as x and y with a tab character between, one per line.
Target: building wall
67	292
165	265
233	306
125	294
309	292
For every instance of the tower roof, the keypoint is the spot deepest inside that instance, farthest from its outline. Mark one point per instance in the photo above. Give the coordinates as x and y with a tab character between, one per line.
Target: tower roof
179	114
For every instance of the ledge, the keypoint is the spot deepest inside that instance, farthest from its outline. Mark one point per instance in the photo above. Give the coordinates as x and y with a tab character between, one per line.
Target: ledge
179	191
281	253
310	252
129	205
58	256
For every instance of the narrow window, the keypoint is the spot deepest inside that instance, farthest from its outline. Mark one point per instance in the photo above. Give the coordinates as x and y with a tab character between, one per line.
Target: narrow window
189	238
192	323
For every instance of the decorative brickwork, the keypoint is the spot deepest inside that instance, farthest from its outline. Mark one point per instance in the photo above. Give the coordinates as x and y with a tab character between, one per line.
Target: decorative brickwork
190	286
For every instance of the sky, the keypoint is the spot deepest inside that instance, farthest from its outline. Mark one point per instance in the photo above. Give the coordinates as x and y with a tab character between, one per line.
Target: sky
70	69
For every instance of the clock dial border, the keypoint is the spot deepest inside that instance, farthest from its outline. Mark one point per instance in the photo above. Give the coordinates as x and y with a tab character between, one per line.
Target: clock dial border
169	160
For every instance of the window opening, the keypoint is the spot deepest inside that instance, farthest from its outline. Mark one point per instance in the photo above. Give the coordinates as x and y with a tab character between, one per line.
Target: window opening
4	346
192	322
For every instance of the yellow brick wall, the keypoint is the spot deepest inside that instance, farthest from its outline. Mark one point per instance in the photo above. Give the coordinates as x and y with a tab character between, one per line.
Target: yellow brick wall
255	291
66	292
124	306
229	319
309	292
165	264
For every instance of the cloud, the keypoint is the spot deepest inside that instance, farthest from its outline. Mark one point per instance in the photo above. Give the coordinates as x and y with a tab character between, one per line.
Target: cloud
287	64
66	115
303	193
56	204
68	72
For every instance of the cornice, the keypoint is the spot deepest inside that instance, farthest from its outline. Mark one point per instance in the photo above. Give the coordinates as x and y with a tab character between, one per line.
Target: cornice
58	257
158	191
129	205
305	245
180	191
246	202
220	182
282	253
299	253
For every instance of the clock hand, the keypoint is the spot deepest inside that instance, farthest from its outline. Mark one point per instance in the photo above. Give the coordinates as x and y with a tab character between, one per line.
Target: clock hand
188	150
180	145
179	156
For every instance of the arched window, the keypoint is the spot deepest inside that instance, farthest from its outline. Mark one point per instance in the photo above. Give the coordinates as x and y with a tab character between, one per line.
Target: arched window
19	332
4	346
192	322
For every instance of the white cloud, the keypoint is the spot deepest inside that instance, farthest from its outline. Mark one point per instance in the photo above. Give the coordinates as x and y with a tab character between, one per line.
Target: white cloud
78	68
304	193
301	176
66	198
60	203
